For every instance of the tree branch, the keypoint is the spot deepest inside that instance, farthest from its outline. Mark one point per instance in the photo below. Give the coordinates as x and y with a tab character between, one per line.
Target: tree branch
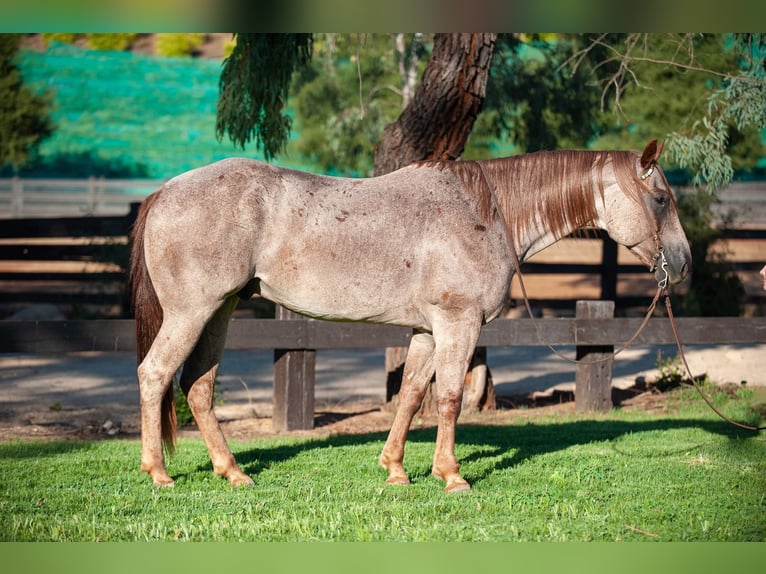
624	59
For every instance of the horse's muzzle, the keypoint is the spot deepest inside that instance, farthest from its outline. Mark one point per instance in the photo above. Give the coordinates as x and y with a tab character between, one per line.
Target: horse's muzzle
672	266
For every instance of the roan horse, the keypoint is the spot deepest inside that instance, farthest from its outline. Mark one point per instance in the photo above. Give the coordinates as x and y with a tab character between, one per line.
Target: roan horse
431	246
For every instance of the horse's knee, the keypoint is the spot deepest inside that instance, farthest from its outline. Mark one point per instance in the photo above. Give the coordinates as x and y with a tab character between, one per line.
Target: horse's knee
449	402
151	384
199	396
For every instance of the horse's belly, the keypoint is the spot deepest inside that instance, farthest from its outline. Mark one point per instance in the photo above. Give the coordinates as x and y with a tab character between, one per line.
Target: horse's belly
352	301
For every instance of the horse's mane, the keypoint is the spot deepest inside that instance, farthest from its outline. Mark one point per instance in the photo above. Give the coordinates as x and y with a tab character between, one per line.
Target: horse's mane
552	189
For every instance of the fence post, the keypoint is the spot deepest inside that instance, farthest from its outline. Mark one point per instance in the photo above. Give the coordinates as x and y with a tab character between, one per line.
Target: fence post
609	269
593	380
293	384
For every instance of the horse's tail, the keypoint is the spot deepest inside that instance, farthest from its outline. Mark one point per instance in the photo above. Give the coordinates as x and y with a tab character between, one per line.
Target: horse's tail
148	313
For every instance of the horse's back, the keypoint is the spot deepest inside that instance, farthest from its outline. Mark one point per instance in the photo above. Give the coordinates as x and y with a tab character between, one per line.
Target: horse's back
379	249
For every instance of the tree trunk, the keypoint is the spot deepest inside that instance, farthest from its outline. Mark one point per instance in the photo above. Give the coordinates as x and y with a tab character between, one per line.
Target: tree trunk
436	125
438	120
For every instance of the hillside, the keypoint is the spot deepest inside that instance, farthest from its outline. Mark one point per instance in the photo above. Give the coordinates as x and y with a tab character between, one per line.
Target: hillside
129	114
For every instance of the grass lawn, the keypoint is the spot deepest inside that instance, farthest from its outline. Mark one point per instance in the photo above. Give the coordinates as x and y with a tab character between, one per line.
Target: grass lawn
680	475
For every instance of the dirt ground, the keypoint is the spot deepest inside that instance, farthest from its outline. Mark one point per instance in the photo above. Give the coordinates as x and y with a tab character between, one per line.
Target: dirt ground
359	417
95	395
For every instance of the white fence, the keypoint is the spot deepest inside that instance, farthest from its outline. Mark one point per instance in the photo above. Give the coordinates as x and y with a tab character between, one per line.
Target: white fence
21	197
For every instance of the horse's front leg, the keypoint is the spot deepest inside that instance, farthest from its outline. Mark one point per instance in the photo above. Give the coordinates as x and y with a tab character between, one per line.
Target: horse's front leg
418	371
455	343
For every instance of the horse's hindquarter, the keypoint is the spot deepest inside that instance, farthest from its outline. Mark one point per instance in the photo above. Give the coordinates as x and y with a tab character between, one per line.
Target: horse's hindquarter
383	249
202	230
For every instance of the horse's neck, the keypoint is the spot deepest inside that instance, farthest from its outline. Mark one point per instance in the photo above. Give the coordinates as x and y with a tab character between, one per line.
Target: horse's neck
529	246
540	235
546	197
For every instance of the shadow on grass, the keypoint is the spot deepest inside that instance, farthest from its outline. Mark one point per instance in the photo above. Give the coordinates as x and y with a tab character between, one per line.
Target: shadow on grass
510	445
506	445
21	449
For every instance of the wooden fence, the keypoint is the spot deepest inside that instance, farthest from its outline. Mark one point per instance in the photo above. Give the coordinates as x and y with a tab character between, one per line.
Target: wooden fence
295	342
94	196
98	249
81	262
76	261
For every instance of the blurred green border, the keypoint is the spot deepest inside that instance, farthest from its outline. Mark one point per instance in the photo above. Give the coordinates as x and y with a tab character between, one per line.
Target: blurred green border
392	15
399	15
373	558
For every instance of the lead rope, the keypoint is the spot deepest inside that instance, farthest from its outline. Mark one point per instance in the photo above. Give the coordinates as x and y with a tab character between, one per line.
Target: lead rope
693	379
661	289
653	304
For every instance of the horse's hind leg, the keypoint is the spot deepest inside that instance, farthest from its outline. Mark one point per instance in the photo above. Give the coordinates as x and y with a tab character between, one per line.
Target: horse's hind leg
197	383
418	370
175	340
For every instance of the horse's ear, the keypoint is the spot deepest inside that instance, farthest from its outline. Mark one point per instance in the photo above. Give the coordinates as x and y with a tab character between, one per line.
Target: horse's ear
651	153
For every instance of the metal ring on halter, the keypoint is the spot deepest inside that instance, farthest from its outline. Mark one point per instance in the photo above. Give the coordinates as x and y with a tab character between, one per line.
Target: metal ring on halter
663	283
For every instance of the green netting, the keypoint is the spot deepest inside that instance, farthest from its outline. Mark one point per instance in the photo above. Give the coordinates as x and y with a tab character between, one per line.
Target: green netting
128	115
120	114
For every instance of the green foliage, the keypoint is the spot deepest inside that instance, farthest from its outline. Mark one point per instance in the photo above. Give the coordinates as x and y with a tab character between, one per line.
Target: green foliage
184	416
115	42
254	87
345	98
24	115
64	38
177	45
735	118
228	46
532	102
715	288
671	373
697	91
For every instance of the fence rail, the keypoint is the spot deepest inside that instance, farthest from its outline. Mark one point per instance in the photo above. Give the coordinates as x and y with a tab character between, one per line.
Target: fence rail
22	197
295	342
118	335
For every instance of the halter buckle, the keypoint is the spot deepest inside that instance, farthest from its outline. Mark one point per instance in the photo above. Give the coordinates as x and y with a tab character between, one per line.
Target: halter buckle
647	173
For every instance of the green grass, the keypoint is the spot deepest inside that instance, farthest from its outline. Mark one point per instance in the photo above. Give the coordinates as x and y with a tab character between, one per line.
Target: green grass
624	476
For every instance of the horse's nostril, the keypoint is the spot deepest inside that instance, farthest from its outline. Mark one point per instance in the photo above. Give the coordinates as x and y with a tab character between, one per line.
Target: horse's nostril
684	269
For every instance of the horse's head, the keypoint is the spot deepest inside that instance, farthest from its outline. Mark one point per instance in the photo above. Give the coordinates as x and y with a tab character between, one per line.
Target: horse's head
647	223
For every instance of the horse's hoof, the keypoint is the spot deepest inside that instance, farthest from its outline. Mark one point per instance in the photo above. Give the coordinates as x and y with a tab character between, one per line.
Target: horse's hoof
457	485
396	474
398	480
163	482
243	480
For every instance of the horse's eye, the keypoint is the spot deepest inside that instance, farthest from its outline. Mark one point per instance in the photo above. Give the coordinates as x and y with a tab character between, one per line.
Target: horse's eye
661	199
